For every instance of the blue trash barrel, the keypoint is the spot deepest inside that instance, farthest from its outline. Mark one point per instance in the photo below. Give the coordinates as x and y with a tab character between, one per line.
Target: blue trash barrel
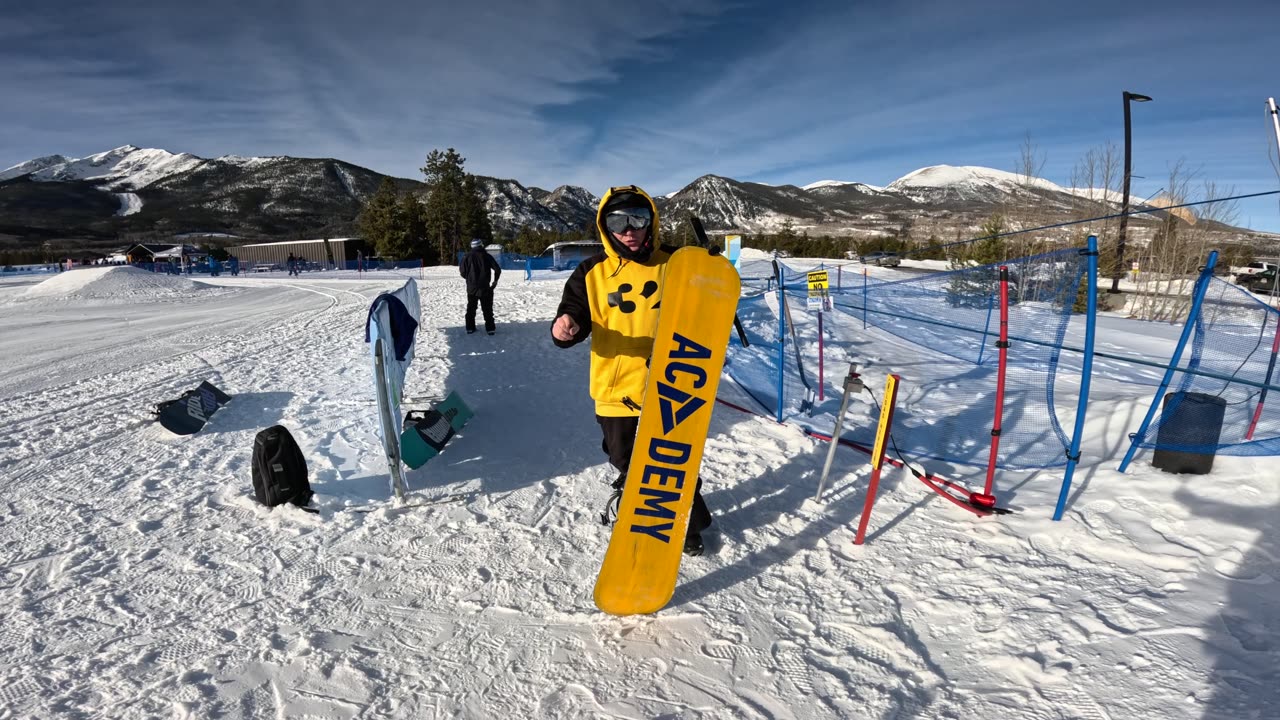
1188	438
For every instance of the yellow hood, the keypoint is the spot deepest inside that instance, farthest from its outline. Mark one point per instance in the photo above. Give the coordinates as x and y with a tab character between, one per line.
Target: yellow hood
606	237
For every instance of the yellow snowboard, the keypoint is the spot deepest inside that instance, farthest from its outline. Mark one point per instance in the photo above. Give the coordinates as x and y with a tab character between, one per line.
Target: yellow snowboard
640	567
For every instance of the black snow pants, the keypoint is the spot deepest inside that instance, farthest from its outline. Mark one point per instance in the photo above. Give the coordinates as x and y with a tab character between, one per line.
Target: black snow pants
620	440
484	298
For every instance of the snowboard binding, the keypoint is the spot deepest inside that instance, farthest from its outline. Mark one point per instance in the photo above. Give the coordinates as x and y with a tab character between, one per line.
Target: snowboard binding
610	514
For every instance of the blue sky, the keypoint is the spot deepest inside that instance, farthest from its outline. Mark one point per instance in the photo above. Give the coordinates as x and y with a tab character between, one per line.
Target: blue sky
656	93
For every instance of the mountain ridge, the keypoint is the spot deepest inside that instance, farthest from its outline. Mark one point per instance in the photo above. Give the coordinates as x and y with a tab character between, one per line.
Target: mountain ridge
131	190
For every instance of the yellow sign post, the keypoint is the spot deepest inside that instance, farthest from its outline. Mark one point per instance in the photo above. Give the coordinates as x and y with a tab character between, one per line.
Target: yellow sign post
877	452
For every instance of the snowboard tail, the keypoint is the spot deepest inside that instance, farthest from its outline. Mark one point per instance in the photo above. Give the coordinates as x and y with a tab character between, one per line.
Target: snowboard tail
642	563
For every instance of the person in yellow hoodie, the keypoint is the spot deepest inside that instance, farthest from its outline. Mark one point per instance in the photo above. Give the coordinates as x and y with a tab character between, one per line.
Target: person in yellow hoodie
613	297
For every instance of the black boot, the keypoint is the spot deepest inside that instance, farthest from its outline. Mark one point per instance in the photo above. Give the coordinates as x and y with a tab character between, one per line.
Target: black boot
693	546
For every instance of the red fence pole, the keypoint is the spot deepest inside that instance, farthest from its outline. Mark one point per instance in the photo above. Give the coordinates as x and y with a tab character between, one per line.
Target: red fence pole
987	499
1262	397
821	355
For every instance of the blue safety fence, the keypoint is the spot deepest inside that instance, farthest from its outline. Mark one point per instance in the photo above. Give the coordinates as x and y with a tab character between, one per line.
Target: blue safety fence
946	314
1222	399
375	265
545	266
225	267
539	265
758	369
40	269
506	260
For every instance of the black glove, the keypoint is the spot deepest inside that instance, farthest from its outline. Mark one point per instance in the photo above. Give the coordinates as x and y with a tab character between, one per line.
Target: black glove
494	286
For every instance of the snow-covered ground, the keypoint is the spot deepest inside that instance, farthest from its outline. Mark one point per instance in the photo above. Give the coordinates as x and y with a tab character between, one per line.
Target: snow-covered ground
138	578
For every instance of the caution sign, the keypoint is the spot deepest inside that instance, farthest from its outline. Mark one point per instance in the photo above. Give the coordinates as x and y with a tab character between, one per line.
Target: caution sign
818	298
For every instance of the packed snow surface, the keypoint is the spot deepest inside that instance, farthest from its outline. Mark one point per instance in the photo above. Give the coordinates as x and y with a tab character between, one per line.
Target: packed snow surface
138	577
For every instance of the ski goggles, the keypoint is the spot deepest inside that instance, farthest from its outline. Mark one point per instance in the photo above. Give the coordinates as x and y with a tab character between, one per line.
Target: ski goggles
636	218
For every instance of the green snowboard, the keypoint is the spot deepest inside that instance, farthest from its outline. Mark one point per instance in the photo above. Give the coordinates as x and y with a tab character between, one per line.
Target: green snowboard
427	432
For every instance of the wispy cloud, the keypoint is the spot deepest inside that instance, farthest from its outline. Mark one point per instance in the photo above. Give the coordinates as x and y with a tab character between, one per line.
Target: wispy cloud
596	94
393	80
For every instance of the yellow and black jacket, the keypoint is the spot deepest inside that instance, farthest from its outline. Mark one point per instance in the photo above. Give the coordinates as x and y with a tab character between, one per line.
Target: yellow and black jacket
615	301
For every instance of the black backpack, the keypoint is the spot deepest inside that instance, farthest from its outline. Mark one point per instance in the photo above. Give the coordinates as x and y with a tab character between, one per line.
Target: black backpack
279	470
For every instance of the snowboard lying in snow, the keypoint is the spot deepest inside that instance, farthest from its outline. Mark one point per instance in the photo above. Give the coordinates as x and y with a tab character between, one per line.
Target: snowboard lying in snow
189	412
426	432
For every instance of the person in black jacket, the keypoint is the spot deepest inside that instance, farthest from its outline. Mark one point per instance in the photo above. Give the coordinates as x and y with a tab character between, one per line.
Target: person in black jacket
476	267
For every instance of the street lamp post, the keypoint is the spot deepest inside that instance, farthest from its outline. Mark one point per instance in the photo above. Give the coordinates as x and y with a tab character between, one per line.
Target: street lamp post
1124	203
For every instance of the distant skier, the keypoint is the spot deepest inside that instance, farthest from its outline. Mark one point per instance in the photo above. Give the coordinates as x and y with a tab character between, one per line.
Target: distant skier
476	267
616	294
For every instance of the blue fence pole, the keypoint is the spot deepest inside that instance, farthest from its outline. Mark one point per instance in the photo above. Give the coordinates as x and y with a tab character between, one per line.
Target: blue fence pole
782	338
986	329
1202	286
1086	374
864	299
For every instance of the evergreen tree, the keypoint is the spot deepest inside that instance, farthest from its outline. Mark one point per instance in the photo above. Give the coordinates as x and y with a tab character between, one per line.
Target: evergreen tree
679	232
1234	255
475	218
527	242
395	225
991	248
454	210
757	242
977	285
804	246
825	246
786	239
444	205
933	250
411	224
377	220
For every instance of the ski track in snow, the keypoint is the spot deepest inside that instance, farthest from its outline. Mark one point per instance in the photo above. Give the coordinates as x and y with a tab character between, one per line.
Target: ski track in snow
138	578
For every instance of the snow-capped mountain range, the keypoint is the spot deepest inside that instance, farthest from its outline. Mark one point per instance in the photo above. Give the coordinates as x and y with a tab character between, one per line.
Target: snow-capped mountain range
124	168
133	190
